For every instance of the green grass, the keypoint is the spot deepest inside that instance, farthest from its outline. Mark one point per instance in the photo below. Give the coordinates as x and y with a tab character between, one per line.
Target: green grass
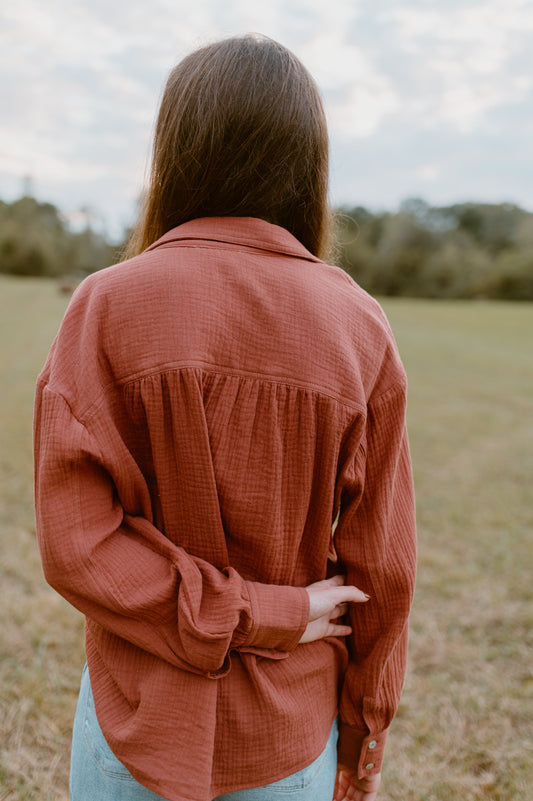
41	638
464	727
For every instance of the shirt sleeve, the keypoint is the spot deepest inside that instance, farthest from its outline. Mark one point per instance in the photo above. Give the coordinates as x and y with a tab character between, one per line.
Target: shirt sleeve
126	576
376	541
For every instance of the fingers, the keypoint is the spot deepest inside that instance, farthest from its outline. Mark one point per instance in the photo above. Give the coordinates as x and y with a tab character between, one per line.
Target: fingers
334	581
324	627
327	596
336	588
349	593
329	599
338	630
338	584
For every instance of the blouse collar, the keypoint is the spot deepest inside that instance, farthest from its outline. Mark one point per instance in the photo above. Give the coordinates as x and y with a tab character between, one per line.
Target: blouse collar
248	231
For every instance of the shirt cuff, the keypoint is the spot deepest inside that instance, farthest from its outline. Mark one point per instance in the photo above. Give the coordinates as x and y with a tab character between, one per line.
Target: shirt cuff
360	751
279	616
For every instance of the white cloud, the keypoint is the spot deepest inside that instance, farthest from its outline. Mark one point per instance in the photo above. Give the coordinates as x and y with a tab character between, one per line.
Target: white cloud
334	61
428	172
360	112
359	97
467	56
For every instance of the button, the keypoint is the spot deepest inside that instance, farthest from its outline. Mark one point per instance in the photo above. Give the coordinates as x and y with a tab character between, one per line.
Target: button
369	766
372	744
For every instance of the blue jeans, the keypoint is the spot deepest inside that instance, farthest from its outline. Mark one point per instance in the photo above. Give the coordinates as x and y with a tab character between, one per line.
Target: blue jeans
97	775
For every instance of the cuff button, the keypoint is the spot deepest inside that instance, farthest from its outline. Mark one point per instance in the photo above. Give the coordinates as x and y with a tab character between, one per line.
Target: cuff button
369	766
372	744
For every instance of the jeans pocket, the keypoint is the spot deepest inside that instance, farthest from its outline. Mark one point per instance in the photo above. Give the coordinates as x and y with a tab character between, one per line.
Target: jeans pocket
300	780
97	744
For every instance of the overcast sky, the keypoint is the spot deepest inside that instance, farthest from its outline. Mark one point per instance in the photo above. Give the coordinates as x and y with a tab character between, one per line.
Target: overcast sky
425	98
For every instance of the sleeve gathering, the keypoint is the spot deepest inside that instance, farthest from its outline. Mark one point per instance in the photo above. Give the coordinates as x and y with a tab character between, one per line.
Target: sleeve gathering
126	576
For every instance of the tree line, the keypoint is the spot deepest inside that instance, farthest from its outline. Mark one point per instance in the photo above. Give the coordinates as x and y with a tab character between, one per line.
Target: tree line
36	240
467	250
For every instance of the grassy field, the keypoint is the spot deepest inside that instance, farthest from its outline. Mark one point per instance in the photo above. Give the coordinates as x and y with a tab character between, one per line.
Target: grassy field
464	729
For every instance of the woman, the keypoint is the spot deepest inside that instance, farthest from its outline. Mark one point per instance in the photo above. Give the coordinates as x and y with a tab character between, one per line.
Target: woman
208	409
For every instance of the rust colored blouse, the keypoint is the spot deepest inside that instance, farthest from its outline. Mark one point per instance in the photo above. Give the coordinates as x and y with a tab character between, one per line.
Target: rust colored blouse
206	411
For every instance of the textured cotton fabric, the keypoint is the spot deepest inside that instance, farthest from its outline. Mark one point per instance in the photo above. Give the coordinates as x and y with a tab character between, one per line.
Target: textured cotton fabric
206	411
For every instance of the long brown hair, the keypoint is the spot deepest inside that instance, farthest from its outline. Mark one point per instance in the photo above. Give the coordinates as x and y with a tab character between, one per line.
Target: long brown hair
241	131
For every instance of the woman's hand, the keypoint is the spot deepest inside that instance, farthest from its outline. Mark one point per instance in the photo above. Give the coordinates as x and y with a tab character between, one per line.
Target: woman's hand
349	788
329	600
